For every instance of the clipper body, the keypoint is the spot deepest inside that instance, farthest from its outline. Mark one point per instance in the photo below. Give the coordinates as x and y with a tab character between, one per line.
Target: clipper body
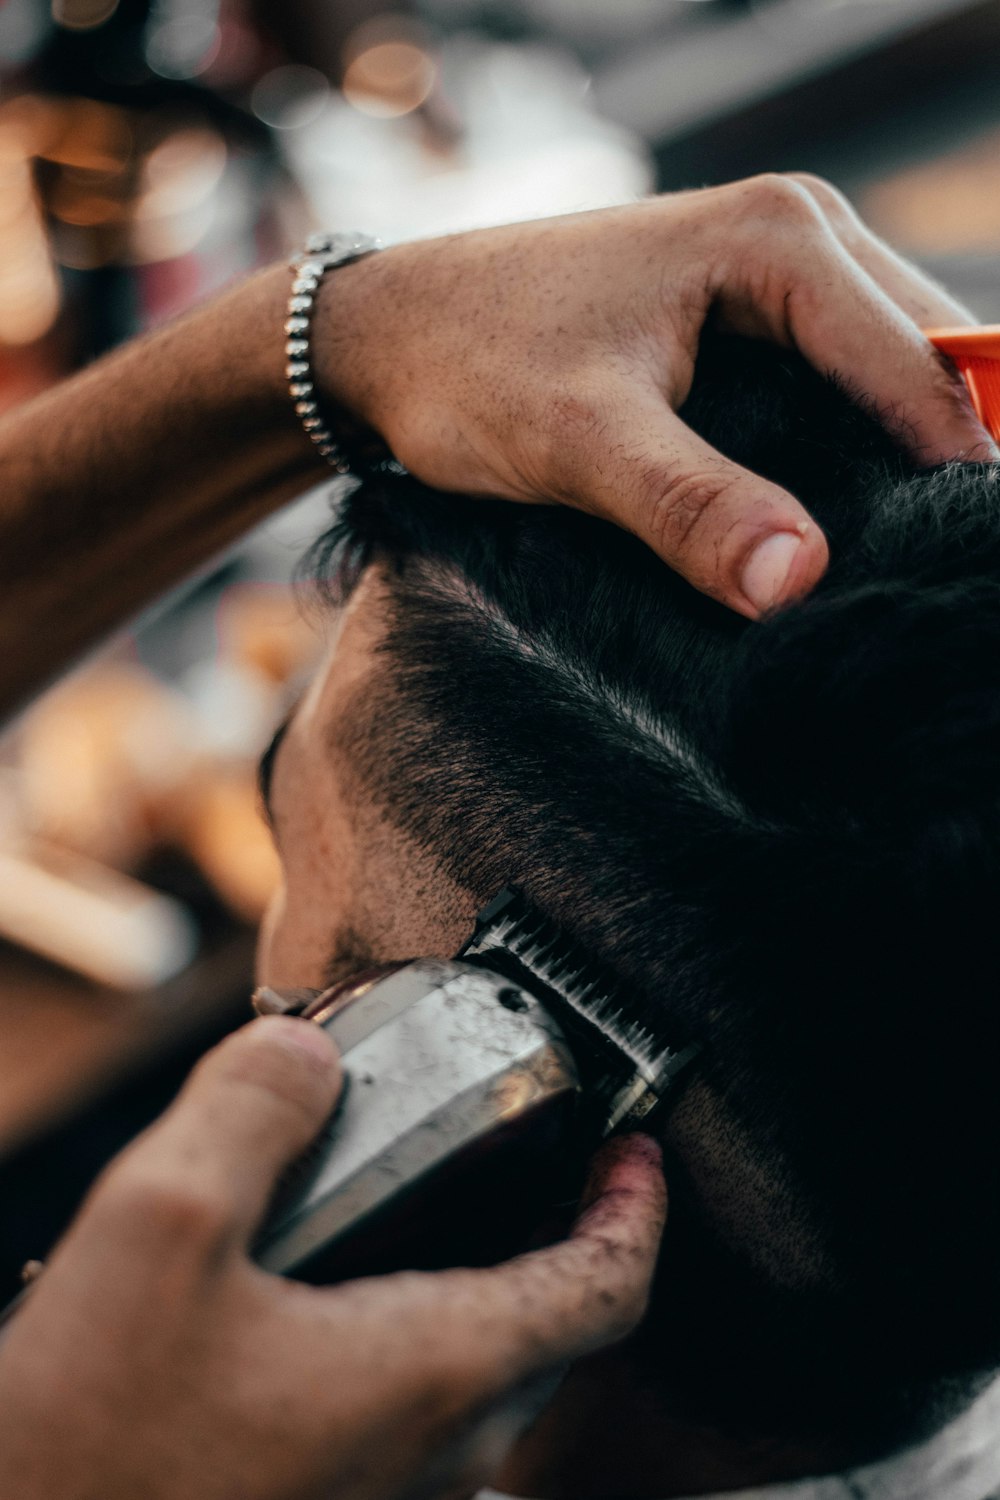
461	1091
477	1088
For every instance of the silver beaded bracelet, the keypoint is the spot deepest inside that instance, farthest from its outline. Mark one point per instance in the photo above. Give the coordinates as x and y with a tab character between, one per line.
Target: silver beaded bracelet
322	252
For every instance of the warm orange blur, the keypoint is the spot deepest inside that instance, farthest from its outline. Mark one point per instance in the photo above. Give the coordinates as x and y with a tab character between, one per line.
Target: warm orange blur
389	69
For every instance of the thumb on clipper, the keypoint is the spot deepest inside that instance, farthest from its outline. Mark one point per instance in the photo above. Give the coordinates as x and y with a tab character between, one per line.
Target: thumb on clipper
730	533
206	1169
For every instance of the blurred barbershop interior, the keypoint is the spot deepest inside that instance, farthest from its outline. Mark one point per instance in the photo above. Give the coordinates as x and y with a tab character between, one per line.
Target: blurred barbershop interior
152	150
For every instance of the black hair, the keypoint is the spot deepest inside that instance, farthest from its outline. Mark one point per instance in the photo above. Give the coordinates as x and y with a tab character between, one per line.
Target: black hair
785	836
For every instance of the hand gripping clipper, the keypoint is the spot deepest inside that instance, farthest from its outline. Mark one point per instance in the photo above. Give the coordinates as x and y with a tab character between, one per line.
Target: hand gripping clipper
475	1091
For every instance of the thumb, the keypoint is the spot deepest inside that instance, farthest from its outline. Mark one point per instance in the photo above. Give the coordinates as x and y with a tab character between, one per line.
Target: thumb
249	1108
730	533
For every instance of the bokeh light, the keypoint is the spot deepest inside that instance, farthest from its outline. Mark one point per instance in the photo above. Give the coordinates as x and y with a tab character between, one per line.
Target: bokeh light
82	15
290	97
175	206
183	46
949	205
389	69
29	290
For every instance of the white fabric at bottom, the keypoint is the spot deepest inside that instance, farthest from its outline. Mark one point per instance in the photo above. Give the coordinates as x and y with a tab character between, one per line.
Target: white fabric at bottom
961	1463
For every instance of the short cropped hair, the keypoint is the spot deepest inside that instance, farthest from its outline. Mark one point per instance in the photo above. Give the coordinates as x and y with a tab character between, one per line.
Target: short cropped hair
785	838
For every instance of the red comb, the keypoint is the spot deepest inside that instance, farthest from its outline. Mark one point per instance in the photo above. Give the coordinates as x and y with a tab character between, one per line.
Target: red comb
976	353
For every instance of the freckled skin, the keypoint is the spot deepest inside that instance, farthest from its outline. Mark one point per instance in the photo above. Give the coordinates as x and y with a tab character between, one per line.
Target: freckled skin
582	380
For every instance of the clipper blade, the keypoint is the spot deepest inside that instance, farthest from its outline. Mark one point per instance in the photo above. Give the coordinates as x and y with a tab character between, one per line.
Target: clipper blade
631	1070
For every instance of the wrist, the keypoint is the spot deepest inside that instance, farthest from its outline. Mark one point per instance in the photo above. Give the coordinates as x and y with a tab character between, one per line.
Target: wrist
252	397
231	362
252	315
334	431
349	344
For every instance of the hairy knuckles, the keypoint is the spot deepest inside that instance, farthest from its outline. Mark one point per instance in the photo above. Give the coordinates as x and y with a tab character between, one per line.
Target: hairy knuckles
830	199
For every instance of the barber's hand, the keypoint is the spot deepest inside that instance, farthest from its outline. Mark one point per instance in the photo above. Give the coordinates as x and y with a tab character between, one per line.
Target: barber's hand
545	361
154	1361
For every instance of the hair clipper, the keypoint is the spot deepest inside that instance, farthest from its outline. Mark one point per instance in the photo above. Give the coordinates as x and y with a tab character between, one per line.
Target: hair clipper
475	1090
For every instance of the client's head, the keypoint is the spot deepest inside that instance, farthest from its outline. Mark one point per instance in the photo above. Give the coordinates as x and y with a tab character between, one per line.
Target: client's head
784	836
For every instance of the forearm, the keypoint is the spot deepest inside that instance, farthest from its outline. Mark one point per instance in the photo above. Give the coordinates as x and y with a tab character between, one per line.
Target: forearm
122	479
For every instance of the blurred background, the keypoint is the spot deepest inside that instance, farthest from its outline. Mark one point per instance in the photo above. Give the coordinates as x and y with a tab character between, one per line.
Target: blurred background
150	150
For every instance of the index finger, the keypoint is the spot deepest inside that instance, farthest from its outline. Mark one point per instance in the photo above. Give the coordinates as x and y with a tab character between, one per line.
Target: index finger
558	1304
852	329
204	1173
921	297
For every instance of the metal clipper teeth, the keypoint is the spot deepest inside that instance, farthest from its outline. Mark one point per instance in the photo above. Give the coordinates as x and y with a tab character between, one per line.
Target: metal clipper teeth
636	1070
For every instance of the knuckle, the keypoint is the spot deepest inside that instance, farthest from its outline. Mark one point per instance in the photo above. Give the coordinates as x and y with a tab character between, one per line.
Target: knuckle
624	1289
817	186
781	198
166	1210
625	1311
831	200
297	1089
680	508
573	418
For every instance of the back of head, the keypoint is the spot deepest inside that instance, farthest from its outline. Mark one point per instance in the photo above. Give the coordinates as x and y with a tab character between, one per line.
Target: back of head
785	837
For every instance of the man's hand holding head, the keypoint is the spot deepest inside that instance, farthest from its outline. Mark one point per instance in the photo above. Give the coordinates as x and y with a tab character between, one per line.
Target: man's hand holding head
570	345
537	362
